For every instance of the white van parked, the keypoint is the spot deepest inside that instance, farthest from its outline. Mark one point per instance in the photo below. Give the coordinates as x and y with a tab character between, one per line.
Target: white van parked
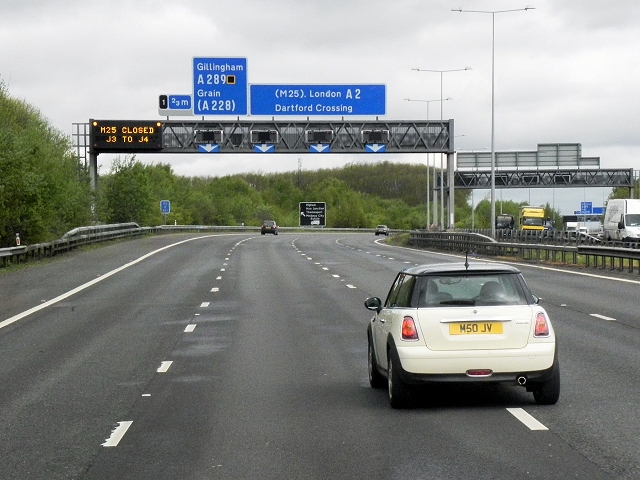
622	220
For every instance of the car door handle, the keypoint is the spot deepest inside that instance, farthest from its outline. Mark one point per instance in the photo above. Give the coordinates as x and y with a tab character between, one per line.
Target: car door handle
381	320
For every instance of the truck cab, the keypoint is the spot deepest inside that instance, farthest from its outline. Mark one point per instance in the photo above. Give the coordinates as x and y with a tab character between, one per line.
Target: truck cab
531	218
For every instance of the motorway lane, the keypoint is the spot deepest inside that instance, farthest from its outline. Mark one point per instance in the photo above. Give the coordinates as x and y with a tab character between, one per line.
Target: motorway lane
71	371
271	381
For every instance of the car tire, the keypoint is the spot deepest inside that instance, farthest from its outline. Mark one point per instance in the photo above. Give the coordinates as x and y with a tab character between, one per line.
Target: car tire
548	392
398	390
376	380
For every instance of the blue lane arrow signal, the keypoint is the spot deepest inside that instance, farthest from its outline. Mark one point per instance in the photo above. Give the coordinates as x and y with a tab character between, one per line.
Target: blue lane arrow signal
375	148
264	148
319	148
209	148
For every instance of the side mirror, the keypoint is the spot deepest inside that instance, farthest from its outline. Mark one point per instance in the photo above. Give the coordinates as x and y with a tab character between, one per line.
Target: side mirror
373	303
536	300
620	225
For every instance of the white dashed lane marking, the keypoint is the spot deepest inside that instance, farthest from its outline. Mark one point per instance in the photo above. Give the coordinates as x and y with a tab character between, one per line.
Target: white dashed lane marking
117	434
190	328
527	419
164	366
602	317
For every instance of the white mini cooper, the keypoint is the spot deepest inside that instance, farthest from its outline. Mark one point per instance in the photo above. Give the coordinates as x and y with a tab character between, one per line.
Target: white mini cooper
473	322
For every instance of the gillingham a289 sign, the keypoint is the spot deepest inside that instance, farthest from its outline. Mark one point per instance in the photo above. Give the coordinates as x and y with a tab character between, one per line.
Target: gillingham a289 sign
124	136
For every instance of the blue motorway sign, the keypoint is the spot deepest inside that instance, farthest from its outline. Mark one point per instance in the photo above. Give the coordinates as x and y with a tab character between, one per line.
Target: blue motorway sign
375	148
219	86
308	100
320	148
264	148
586	207
593	211
165	207
179	102
208	148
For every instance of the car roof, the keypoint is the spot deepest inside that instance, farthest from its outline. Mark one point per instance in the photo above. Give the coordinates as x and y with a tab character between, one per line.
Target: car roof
458	268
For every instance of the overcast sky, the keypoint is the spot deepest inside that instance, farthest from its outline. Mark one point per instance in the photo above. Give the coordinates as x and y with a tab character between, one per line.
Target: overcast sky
566	72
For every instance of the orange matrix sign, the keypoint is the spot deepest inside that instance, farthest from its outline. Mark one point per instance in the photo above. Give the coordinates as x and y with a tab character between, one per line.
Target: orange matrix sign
125	136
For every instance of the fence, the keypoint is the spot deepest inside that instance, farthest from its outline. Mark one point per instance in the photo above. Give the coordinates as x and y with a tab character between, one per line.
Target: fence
70	240
572	251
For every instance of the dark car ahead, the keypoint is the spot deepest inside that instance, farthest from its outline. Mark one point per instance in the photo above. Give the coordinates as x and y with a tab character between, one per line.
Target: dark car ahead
269	226
382	230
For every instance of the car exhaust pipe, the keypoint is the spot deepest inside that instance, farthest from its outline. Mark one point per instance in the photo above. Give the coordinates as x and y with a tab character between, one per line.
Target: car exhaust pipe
522	380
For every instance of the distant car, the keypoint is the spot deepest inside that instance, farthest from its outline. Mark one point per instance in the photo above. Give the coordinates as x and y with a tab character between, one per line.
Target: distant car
382	230
269	226
461	323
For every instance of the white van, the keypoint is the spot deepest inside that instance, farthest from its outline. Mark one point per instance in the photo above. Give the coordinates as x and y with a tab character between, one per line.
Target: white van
622	220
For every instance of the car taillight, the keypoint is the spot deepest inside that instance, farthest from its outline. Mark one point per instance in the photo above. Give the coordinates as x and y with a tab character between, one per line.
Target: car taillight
409	331
542	326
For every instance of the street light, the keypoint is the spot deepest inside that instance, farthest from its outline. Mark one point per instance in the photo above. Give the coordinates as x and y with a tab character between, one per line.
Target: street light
428	102
441	72
493	151
435	203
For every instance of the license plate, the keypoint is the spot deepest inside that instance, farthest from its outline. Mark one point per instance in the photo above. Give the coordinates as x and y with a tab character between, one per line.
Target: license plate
475	328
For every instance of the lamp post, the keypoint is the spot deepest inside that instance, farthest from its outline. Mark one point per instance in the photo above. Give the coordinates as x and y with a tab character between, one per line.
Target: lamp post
493	151
441	72
435	204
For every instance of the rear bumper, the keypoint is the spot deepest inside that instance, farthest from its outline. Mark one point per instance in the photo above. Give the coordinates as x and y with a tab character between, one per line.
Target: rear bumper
423	366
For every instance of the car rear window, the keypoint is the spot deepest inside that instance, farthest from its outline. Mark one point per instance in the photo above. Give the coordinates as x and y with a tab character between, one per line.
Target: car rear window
472	289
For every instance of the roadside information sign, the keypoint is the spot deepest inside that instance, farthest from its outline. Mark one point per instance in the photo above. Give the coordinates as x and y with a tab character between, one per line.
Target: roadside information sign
313	214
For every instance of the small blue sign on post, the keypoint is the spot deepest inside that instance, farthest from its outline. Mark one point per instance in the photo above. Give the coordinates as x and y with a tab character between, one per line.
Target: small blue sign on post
309	100
165	207
219	86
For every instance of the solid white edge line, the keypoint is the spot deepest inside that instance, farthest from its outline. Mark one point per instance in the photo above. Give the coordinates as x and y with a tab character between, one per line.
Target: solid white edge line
164	366
59	298
527	419
117	434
